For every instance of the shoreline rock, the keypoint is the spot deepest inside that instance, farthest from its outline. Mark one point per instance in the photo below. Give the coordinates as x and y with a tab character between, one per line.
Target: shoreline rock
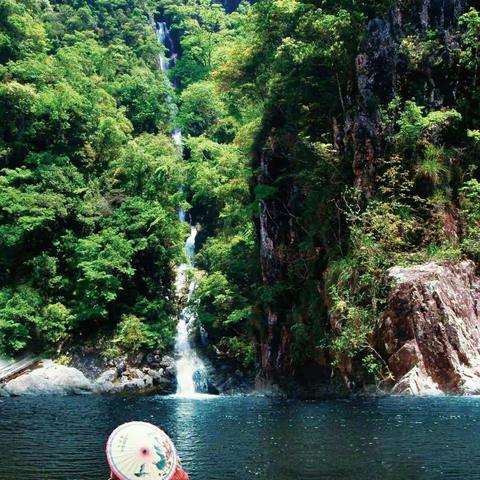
429	338
49	378
117	377
430	334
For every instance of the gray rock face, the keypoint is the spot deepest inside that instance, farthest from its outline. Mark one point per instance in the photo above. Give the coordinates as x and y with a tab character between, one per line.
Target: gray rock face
277	234
167	362
138	379
50	378
140	373
225	379
380	71
431	330
144	380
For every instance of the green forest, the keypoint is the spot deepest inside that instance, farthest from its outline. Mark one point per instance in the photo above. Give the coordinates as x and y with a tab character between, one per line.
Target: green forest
307	174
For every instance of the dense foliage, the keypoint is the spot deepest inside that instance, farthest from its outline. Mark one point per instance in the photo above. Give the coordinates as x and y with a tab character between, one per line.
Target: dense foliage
89	175
297	63
265	98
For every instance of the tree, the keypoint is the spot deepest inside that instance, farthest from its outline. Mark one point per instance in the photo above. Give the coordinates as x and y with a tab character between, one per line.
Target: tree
200	108
147	98
103	264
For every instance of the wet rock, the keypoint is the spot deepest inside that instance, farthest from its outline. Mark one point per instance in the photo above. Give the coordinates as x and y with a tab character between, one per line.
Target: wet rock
50	378
165	386
430	333
135	384
106	387
224	377
157	376
89	361
108	376
167	362
145	380
416	382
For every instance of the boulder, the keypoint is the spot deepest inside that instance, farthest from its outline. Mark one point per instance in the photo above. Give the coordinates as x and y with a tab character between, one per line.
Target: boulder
134	380
167	362
121	365
50	378
416	382
155	375
105	382
136	373
430	333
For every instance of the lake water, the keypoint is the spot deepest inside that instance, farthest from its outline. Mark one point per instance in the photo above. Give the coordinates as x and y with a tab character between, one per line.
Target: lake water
242	438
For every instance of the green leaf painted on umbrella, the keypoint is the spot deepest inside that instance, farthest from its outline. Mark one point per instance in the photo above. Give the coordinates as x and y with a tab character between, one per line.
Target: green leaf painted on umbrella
162	462
142	472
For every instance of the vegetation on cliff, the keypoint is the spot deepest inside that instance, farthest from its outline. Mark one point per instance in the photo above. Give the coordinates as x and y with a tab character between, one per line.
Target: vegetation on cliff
368	147
356	127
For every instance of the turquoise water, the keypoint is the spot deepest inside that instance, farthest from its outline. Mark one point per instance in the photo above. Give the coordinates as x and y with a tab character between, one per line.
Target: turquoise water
243	438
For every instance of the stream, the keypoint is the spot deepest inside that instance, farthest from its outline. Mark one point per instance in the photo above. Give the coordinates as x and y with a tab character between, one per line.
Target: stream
191	372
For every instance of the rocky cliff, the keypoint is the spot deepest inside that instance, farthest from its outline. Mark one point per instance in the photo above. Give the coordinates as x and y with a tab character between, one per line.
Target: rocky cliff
276	231
381	73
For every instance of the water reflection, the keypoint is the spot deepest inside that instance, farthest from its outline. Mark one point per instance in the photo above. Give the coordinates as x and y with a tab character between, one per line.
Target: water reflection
244	438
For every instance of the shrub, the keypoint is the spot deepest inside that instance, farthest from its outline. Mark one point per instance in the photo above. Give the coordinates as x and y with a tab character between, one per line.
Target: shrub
19	313
470	202
55	323
242	350
132	335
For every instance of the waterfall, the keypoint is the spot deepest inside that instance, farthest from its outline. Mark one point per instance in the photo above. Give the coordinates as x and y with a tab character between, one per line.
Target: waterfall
164	38
190	245
191	372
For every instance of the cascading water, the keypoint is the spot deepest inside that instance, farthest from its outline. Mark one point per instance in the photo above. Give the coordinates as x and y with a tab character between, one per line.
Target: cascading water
165	39
191	372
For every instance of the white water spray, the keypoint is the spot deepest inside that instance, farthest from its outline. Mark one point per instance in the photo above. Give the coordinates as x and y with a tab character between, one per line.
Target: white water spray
164	38
191	372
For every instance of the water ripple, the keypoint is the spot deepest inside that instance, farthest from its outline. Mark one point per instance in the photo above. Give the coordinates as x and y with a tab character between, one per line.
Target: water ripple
243	438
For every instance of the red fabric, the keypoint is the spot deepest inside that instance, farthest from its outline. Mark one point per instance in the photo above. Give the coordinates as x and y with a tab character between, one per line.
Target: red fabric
179	475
